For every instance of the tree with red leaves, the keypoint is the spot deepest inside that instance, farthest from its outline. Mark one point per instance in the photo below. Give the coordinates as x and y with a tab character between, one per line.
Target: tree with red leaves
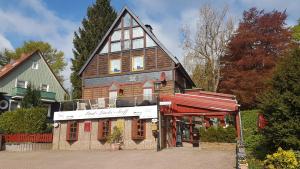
260	40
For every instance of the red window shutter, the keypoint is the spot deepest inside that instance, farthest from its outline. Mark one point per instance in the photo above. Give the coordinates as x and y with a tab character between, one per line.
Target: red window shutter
77	131
144	124
100	130
68	131
134	128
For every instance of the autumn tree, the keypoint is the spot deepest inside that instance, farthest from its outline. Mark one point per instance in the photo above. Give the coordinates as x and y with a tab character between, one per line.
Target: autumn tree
100	17
261	38
204	48
53	57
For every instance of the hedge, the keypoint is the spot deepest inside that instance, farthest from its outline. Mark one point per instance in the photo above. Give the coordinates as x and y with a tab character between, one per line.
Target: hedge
218	134
32	120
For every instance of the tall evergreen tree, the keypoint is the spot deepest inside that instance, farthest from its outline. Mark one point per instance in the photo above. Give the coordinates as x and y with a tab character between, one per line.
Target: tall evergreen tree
281	105
100	17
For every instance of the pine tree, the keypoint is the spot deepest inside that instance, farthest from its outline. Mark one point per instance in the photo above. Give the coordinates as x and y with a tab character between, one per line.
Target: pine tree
281	105
100	17
32	98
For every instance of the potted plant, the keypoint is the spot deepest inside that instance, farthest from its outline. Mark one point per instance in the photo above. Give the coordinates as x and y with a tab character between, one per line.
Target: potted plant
115	138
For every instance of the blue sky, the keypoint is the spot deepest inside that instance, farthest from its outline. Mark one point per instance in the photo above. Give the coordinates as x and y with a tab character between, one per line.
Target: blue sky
55	21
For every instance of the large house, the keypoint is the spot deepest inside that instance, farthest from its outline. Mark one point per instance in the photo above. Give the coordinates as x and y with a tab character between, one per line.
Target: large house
33	70
120	84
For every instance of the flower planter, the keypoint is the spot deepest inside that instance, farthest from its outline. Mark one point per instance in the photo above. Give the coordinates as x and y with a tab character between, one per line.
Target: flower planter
115	146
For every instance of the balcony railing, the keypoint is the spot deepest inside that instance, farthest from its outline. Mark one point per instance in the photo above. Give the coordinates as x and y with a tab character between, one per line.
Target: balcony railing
102	103
19	91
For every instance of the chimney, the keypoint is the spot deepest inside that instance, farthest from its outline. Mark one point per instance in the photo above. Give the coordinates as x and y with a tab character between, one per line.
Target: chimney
149	27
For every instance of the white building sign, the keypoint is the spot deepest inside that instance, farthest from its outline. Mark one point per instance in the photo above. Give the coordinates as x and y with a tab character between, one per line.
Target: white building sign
144	112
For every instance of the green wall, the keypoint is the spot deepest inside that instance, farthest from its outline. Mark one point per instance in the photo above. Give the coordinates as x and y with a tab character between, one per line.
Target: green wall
36	77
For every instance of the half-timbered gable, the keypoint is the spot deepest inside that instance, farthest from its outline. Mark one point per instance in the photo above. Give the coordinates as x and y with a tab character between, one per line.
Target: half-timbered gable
130	55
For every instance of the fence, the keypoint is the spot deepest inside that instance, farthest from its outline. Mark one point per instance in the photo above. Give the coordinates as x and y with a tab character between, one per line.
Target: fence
34	138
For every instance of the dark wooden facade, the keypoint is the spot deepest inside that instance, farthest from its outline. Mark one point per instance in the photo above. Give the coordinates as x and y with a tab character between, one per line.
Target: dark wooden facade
97	78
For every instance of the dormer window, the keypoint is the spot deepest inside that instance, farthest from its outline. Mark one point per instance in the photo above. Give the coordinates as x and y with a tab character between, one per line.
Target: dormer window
35	65
115	66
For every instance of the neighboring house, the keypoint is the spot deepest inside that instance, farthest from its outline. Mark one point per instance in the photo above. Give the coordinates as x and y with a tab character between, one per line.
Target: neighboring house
119	81
33	70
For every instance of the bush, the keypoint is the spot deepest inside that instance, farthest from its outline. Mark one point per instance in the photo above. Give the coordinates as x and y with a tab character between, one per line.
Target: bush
282	159
115	136
33	120
218	134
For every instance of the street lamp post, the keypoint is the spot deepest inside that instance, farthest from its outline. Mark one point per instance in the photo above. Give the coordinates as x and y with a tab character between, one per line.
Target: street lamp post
157	86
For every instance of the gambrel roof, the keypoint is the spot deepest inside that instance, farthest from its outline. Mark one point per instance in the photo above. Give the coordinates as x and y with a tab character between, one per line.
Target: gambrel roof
123	11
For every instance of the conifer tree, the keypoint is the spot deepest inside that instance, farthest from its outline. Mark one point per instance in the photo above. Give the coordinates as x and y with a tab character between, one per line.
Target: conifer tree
100	17
280	105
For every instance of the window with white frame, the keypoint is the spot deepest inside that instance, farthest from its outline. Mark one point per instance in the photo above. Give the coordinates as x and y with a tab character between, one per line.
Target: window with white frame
137	63
35	65
115	66
137	32
138	43
21	83
147	94
44	87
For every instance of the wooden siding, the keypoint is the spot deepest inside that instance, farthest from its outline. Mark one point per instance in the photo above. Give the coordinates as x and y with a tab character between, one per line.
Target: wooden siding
154	59
128	90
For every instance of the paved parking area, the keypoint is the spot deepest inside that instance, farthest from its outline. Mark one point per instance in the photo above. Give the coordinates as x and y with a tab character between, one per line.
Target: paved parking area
175	158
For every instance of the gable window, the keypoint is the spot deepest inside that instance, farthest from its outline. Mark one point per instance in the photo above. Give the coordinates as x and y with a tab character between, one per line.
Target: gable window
116	36
115	66
35	65
149	41
138	43
44	87
137	32
104	127
134	23
127	20
138	129
105	48
72	131
137	63
115	46
127	44
21	83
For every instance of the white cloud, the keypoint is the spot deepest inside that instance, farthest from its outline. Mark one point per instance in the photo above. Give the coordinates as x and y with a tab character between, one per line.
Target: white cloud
5	43
40	24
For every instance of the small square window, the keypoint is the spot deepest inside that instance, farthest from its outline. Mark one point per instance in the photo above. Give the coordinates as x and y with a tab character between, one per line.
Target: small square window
138	63
115	66
137	32
21	84
138	43
44	87
115	46
126	45
35	65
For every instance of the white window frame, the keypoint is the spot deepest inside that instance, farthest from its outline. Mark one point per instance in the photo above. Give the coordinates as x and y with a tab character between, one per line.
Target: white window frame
41	87
111	71
35	65
133	68
26	83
